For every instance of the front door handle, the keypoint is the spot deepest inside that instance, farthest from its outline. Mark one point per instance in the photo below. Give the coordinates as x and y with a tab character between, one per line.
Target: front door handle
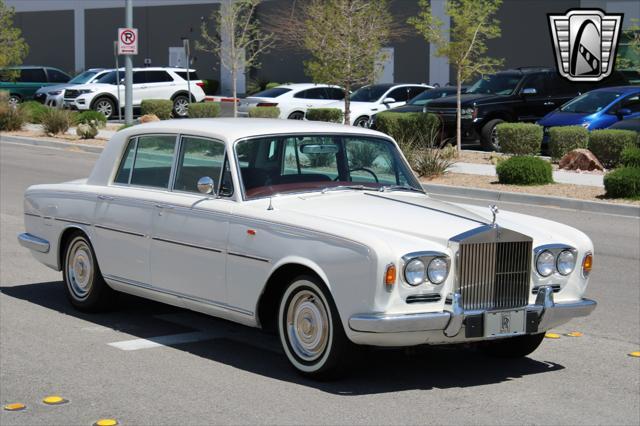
106	198
549	103
164	206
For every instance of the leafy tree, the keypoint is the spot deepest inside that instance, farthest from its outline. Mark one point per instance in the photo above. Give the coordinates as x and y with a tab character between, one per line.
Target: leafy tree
631	40
472	24
13	48
343	37
246	42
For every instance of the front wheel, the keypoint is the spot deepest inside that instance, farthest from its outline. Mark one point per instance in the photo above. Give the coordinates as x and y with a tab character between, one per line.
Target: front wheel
513	347
181	106
489	135
361	121
86	289
310	329
296	115
105	106
14	100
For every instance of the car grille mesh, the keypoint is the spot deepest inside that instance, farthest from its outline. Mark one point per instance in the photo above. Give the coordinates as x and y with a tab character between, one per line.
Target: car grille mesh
494	275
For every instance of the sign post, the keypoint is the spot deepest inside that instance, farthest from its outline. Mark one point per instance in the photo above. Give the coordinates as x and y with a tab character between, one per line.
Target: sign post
115	54
187	52
128	46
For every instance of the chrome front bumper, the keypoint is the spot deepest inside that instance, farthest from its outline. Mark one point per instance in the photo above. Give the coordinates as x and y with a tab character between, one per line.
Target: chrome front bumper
33	243
541	316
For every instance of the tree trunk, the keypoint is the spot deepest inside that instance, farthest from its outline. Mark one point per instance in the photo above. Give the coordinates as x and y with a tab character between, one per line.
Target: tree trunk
347	104
234	75
458	112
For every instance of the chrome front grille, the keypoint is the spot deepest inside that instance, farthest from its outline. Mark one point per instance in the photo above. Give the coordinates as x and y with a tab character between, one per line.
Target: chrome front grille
494	275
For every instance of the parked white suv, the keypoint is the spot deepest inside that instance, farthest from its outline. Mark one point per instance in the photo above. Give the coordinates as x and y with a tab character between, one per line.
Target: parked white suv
148	83
293	100
53	96
372	99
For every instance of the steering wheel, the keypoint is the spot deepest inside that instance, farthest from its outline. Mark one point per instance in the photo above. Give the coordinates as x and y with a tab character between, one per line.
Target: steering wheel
364	169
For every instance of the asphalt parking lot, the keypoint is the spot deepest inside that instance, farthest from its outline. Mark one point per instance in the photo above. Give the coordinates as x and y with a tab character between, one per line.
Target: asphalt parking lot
201	370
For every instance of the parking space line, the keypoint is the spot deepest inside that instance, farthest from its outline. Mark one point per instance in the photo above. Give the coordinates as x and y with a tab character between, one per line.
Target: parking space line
167	340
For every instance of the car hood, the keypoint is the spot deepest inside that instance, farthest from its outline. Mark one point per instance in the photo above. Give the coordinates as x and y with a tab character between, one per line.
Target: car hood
96	87
396	216
408	108
47	89
466	100
559	118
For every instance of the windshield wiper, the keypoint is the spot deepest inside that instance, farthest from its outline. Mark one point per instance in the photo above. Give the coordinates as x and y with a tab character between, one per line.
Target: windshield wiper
399	188
342	187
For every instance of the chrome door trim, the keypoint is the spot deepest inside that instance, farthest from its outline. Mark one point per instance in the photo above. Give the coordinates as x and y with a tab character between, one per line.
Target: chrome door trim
77	222
122	231
246	256
182	243
216	304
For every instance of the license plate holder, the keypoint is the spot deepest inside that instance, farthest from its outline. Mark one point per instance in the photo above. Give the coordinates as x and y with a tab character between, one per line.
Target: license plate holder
504	323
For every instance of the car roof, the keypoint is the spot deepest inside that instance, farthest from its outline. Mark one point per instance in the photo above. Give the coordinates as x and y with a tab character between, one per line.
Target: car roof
622	89
298	86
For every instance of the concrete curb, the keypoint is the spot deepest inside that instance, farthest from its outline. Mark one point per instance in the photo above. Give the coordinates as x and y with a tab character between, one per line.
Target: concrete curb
539	200
52	144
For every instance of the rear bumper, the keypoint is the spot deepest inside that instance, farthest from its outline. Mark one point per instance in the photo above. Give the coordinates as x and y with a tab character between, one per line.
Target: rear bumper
33	243
541	316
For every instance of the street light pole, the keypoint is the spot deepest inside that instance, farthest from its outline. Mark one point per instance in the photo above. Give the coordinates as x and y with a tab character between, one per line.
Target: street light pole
128	70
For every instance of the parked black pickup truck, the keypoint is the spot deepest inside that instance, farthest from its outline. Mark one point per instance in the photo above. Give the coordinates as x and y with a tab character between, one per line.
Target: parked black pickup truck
521	94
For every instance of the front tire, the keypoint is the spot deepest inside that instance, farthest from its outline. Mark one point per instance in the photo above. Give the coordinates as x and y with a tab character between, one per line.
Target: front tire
489	135
105	106
296	115
310	329
513	347
85	287
361	121
14	100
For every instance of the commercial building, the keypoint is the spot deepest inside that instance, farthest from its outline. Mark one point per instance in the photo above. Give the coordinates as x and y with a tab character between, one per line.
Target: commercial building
77	34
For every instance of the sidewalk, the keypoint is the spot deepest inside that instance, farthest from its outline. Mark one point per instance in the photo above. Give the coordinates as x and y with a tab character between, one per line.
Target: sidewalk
586	179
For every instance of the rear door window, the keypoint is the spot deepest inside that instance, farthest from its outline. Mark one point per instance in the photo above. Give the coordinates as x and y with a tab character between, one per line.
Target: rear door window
32	75
153	160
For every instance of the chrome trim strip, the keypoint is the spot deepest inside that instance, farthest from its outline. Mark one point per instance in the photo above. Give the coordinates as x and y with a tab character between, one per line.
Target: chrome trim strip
33	243
177	294
246	256
122	231
181	243
32	214
428	208
77	222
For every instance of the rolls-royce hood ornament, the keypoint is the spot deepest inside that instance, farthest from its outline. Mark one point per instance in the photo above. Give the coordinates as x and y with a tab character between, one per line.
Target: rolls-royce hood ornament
494	211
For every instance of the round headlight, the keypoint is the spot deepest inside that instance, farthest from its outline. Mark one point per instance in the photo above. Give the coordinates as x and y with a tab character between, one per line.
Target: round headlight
566	262
545	263
437	270
415	272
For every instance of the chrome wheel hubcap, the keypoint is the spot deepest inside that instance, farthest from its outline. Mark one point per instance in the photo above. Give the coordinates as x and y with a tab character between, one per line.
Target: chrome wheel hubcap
181	106
80	269
307	325
13	101
105	108
494	139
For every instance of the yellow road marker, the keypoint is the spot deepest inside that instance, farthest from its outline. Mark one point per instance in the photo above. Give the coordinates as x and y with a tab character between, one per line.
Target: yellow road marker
106	422
552	336
574	334
54	400
16	406
635	354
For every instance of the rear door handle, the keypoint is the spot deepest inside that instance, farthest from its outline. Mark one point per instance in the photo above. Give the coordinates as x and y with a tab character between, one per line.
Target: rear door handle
164	206
549	103
106	198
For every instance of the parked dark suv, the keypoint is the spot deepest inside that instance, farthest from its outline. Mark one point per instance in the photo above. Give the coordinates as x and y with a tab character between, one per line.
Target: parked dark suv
522	94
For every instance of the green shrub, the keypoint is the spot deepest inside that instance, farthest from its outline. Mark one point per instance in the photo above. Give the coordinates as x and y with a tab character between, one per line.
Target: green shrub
11	119
55	121
332	115
264	112
87	117
623	182
405	126
567	138
520	138
204	109
524	170
271	85
161	108
33	111
608	144
630	156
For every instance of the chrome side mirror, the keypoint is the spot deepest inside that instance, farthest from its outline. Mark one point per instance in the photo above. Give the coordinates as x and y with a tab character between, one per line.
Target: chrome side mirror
388	100
206	185
529	91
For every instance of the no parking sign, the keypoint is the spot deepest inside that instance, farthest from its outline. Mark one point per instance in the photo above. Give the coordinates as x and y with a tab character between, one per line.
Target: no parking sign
127	41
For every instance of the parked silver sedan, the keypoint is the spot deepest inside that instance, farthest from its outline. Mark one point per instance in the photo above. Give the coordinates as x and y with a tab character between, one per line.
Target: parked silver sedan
53	95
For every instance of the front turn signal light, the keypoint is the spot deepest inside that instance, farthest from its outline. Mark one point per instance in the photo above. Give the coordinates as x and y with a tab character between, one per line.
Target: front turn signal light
390	276
587	264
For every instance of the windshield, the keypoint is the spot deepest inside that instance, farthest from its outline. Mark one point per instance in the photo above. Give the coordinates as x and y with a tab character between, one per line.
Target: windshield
298	163
590	103
368	93
428	95
497	84
271	93
83	77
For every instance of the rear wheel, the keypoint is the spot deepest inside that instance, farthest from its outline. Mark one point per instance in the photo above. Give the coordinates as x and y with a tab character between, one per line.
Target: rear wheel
105	106
513	347
181	106
310	329
14	100
297	115
86	289
489	135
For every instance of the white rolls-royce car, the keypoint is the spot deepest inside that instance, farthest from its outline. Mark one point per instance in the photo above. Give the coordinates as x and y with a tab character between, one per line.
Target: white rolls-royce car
317	231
